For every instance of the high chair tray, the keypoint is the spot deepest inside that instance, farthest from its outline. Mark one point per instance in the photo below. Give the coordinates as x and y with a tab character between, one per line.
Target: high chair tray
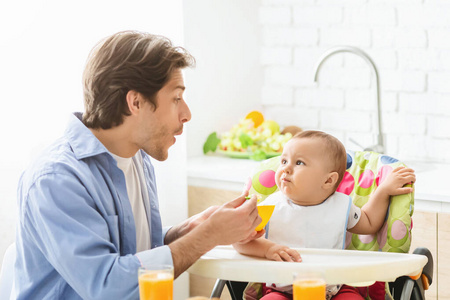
339	266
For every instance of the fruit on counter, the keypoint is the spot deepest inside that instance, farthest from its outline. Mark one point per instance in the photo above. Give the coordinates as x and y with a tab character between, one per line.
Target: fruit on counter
244	137
253	135
272	126
256	116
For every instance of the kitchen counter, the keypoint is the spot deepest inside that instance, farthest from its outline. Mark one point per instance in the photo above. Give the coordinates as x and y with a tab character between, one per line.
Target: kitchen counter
432	191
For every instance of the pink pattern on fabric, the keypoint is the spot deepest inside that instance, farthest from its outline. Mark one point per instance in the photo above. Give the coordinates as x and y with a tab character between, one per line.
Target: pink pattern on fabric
366	238
249	184
347	184
366	179
382	235
382	174
267	178
398	230
348	239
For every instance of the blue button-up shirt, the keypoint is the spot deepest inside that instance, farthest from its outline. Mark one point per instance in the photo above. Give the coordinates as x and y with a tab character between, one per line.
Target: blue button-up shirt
76	236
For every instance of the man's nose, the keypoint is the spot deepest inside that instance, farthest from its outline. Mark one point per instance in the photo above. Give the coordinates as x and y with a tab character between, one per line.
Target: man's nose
186	115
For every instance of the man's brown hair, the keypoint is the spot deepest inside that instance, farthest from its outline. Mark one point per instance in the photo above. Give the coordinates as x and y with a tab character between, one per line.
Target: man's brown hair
335	151
125	61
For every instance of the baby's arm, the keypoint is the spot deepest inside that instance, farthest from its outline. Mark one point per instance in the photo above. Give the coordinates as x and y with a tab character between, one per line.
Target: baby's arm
264	248
374	211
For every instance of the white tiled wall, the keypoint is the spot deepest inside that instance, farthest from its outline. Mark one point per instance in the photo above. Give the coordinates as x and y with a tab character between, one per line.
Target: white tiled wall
409	42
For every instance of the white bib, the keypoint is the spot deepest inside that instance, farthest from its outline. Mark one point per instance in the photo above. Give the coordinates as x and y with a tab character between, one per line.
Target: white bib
318	226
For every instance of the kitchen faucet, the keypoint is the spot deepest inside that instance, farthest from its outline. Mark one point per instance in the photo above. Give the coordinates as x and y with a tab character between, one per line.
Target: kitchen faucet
379	147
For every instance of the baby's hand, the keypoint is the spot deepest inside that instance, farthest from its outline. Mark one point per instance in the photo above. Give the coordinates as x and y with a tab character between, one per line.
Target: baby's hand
283	253
394	182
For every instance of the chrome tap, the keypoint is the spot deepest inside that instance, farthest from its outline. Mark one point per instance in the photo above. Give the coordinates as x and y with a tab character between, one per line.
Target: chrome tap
379	147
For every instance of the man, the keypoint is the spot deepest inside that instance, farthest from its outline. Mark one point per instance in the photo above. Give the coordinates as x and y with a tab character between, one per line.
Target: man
88	206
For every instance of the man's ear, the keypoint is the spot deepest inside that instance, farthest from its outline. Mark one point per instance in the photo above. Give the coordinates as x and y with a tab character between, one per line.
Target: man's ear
133	99
331	180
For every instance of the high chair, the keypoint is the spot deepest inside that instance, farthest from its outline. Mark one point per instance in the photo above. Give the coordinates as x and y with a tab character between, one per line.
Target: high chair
365	171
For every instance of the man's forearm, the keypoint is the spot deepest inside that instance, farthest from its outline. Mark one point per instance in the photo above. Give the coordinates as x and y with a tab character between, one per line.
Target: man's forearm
189	248
182	229
176	232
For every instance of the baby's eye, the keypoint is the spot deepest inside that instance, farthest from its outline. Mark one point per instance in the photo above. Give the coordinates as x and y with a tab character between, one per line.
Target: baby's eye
299	162
283	161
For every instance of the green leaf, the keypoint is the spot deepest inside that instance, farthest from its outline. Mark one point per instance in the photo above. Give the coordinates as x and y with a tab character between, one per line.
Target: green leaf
258	155
211	143
245	140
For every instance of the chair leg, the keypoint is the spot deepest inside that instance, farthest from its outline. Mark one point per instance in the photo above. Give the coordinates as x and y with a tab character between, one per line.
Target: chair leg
218	288
407	290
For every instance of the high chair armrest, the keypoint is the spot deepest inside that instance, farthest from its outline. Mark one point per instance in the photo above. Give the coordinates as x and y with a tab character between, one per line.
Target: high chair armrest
428	268
414	287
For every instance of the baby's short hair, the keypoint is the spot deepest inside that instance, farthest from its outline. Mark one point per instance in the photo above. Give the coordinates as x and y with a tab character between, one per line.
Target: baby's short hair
335	150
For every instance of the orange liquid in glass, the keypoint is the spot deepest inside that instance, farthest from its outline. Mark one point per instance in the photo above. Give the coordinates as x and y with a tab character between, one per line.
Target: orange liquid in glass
309	289
154	286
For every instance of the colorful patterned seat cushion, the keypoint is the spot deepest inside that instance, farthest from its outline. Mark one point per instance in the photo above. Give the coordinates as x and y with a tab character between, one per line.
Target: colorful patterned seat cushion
365	171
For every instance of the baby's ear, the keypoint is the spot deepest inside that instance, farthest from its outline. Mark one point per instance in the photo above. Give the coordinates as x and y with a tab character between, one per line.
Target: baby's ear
331	180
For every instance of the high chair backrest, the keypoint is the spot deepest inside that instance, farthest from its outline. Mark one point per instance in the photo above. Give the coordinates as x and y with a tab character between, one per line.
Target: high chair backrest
365	171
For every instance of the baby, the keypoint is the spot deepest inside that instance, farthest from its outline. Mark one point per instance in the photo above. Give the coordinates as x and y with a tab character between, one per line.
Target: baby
310	213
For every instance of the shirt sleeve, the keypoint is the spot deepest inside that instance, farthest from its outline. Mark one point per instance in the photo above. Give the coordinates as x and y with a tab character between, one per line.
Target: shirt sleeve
62	220
353	216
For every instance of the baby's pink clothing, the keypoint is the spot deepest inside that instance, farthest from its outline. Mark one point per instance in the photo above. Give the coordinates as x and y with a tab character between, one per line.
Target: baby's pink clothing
345	293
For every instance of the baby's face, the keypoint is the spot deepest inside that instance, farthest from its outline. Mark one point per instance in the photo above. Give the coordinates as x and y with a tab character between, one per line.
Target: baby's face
303	170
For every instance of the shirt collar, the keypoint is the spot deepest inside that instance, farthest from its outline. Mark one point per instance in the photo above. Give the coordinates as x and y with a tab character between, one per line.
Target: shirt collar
83	142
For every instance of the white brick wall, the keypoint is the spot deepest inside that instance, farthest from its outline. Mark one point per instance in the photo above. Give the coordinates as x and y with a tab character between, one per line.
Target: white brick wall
409	41
283	35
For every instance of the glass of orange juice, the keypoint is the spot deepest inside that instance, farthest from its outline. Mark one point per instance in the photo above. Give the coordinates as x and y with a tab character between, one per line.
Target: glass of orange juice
156	282
309	285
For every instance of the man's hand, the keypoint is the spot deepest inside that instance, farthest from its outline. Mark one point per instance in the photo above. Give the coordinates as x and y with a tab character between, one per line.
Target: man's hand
230	223
235	221
201	217
283	253
185	227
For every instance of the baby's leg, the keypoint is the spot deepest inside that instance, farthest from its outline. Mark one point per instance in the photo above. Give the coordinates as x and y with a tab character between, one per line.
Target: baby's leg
270	294
348	293
276	296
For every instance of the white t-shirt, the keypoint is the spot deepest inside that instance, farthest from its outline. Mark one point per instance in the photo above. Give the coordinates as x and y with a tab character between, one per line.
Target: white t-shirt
137	192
